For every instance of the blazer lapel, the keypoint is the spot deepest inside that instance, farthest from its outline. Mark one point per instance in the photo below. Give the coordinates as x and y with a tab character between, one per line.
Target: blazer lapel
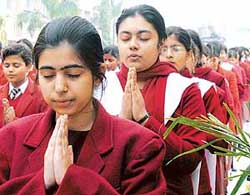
98	142
90	157
37	140
25	100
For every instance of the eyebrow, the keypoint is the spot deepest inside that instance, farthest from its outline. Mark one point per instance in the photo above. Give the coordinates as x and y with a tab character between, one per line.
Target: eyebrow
139	32
63	68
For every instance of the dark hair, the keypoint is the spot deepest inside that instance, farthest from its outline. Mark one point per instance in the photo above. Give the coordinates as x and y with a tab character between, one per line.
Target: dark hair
181	35
243	51
223	47
20	50
206	50
1	46
150	14
215	48
26	42
80	34
196	46
233	53
113	50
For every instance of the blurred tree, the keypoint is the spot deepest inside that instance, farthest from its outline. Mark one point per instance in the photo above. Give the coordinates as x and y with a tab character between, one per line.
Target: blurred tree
104	16
3	34
33	20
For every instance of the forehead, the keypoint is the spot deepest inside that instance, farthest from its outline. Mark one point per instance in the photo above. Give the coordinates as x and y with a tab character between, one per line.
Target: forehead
108	55
13	58
59	56
171	40
134	24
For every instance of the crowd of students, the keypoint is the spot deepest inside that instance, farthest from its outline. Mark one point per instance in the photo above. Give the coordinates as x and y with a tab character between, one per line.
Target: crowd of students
80	119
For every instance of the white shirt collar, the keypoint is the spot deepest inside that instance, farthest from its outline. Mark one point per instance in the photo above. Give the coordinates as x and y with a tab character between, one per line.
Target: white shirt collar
23	87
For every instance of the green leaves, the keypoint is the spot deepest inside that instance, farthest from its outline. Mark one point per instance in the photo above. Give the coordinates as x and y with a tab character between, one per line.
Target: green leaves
239	144
35	19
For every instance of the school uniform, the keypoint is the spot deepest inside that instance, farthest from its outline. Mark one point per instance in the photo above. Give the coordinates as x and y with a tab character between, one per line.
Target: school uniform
232	81
246	99
1	115
221	82
246	66
117	157
213	106
161	91
29	101
3	79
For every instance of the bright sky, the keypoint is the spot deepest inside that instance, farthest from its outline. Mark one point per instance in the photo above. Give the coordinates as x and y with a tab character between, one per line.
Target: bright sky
231	18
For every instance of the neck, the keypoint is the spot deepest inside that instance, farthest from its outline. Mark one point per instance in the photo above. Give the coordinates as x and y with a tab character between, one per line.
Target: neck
18	84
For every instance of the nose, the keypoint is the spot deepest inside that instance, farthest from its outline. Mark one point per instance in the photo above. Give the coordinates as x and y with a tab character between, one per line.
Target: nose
10	68
60	84
134	45
106	62
168	53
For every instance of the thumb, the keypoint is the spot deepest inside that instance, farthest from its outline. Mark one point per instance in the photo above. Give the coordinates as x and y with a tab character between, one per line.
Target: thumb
70	153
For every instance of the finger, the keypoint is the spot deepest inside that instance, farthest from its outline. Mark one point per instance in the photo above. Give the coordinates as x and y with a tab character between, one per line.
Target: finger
129	74
52	141
70	153
11	109
64	135
133	86
59	136
66	131
5	101
128	87
133	73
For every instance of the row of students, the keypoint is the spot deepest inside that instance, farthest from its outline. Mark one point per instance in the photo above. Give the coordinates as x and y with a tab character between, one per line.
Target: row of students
228	64
76	147
185	55
76	139
149	91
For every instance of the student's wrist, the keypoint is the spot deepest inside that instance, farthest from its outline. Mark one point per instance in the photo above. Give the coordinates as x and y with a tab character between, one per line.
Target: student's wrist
143	119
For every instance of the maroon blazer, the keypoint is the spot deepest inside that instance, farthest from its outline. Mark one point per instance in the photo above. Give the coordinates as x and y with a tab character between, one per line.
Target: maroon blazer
182	138
30	102
118	156
224	92
246	66
1	114
3	79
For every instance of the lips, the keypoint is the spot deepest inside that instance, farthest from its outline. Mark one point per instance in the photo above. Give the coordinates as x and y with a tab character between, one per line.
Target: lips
10	75
63	103
134	57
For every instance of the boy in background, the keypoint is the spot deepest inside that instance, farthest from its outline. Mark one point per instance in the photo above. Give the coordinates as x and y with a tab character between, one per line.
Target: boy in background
20	96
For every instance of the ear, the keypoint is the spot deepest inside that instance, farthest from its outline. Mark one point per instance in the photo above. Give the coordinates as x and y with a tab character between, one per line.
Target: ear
29	66
103	68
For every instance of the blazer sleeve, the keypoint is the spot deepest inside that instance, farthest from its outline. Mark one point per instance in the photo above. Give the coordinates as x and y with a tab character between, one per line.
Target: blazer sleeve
141	175
183	138
1	114
24	185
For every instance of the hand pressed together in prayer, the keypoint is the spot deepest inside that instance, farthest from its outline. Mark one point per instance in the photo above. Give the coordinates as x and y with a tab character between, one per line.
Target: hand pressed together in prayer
59	154
133	104
9	112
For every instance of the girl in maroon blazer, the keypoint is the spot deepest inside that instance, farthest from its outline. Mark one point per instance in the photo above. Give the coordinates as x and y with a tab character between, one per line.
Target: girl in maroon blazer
76	147
152	91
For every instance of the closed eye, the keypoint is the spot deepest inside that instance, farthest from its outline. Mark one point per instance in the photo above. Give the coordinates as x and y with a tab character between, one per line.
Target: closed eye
73	75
